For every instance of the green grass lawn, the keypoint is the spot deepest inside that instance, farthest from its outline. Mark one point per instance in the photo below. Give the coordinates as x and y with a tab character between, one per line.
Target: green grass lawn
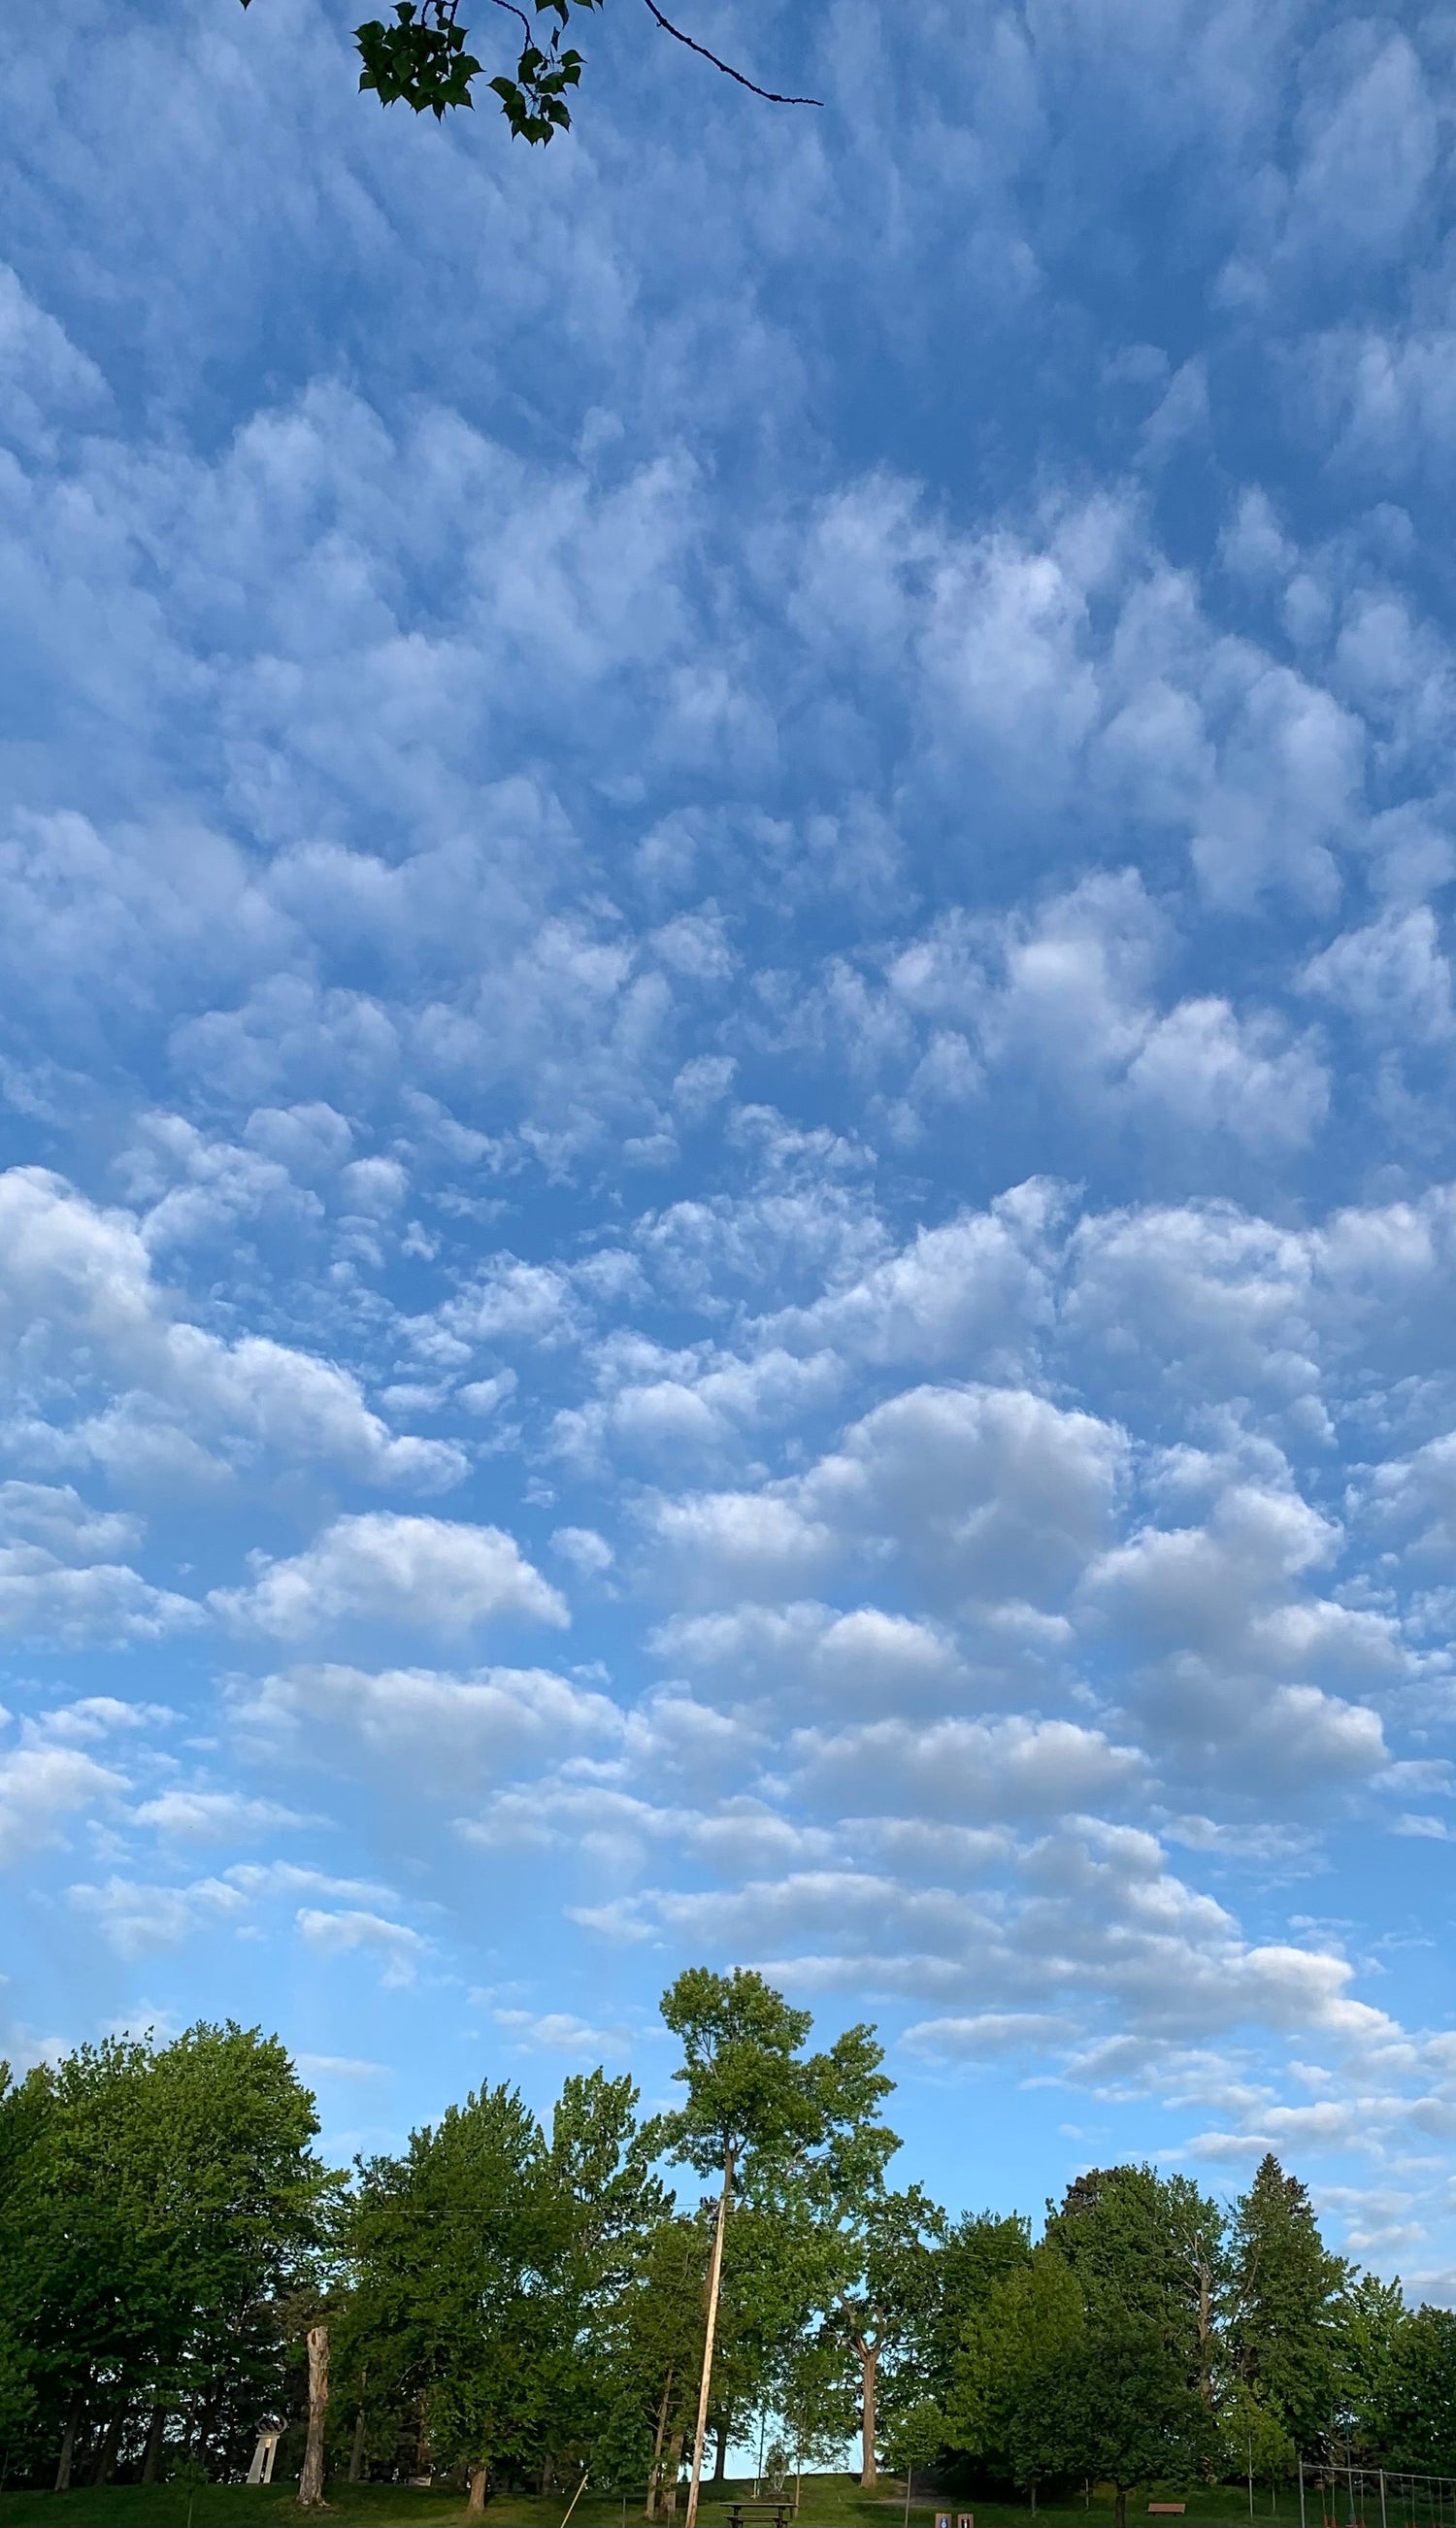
828	2502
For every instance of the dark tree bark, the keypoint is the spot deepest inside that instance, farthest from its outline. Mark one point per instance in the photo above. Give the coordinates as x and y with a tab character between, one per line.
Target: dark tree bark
106	2454
356	2453
655	2479
156	2433
68	2443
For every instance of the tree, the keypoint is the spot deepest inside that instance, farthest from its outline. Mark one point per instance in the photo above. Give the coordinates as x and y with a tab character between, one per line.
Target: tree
885	2287
457	2245
1017	2397
815	2401
915	2436
156	2207
1253	2440
1416	2418
420	59
757	2110
1135	2403
976	2252
1370	2318
1284	2291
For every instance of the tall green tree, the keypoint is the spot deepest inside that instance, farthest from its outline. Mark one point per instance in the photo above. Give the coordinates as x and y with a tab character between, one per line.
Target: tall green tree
459	2246
884	2293
976	2252
1369	2317
1283	2304
157	2206
760	2113
1136	2406
1015	2400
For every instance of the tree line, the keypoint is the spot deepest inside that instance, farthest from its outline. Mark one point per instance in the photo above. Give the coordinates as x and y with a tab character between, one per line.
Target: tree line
518	2301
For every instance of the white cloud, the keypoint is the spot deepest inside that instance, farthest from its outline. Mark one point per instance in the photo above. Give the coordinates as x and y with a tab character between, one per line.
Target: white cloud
987	1492
426	1574
42	1787
134	1917
983	1770
987	2035
746	1544
400	1950
44	1599
1392	974
445	1731
586	1550
214	1816
73	1275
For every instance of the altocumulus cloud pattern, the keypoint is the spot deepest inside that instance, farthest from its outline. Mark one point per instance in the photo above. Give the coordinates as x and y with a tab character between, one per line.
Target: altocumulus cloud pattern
729	1192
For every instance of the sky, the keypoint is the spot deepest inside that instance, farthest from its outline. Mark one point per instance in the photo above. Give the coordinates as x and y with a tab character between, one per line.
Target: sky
726	1063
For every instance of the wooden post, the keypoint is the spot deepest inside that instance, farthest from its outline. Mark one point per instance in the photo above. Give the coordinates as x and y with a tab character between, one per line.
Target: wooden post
311	2481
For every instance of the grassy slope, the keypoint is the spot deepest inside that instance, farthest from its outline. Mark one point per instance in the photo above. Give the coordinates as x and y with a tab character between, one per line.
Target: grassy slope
829	2501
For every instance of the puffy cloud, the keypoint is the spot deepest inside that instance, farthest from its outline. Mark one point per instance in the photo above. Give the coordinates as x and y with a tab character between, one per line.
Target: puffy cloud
199	1815
425	1574
50	1589
400	1950
42	1787
1392	974
748	1544
75	1276
988	1491
981	1770
445	1731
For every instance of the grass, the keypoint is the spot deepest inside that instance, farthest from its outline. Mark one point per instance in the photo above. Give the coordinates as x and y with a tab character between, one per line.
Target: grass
828	2502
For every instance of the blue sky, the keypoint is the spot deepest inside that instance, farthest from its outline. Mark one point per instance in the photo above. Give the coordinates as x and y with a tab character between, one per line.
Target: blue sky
727	1053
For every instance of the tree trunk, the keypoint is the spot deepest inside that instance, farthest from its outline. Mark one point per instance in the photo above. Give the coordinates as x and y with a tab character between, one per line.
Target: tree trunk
674	2462
654	2478
1120	2505
869	2363
151	2455
311	2481
714	2282
68	2444
356	2453
720	2453
106	2454
480	2476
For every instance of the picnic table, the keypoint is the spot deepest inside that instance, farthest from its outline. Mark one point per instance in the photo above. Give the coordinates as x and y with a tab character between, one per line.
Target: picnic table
760	2514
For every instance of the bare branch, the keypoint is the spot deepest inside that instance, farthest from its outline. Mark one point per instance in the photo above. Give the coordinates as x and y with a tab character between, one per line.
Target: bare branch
727	69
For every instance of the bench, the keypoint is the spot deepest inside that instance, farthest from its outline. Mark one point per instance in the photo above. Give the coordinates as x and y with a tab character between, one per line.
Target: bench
1166	2509
759	2514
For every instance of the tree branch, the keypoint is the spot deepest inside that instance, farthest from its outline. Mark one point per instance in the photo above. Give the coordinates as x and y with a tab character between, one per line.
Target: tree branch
512	12
767	93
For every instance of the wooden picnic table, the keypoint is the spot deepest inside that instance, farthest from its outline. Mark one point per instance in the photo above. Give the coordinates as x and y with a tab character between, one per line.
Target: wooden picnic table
759	2514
